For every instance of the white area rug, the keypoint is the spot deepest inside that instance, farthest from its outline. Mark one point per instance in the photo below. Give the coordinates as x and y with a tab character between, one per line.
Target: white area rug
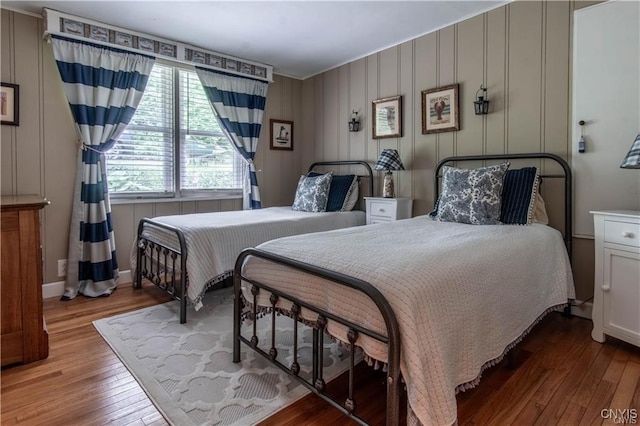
187	370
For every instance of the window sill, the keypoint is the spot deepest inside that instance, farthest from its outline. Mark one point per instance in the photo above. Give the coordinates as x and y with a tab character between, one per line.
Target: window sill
116	201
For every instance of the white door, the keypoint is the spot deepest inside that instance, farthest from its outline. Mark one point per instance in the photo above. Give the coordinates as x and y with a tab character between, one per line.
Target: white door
606	95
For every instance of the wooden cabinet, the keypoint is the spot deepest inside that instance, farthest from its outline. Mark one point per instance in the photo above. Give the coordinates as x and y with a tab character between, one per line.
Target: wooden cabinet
23	335
381	210
616	301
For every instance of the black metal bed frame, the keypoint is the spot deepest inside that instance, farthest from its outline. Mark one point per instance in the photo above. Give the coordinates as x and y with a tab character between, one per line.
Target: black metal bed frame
156	261
392	337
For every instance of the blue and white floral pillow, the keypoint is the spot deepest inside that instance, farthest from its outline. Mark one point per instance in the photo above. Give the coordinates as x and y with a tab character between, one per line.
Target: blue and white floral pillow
312	193
471	196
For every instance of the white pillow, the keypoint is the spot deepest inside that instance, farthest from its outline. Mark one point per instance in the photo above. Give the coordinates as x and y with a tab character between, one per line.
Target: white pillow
352	197
540	211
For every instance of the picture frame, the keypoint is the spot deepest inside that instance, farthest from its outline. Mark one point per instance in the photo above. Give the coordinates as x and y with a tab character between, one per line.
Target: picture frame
440	109
9	104
387	117
281	134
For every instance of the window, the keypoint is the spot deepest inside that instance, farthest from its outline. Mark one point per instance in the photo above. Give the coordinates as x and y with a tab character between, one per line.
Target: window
173	145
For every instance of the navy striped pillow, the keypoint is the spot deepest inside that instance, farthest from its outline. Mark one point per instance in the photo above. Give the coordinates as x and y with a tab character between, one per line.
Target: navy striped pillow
518	196
338	192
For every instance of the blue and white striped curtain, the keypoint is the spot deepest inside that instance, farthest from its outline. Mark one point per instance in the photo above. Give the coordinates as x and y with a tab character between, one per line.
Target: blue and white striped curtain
239	105
104	87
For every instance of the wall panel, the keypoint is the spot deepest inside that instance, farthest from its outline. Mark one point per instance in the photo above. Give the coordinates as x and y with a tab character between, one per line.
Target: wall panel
447	74
7	133
497	80
470	70
28	69
525	64
357	90
426	149
406	145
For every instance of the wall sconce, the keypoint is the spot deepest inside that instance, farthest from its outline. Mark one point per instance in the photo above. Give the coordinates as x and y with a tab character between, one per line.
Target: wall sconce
354	124
481	104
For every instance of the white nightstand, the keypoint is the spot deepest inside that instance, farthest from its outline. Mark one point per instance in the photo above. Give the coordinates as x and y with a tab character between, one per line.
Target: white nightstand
616	293
381	210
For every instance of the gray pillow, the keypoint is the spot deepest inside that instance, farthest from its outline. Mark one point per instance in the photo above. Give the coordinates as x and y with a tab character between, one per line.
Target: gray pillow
312	193
472	196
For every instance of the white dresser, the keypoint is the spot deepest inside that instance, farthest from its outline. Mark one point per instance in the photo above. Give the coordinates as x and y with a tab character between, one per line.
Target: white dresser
381	210
616	294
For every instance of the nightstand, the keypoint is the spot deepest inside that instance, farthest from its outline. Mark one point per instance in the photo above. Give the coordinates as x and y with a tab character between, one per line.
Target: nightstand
616	293
381	210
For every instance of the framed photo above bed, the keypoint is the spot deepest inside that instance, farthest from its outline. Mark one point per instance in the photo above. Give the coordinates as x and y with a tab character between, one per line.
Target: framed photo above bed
9	97
387	117
281	134
440	110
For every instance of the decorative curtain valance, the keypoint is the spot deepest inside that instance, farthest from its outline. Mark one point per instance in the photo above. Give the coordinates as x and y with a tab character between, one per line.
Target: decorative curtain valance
239	105
104	87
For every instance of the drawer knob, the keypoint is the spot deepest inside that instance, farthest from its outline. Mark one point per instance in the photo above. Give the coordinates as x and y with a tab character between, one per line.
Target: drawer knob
606	287
381	210
627	234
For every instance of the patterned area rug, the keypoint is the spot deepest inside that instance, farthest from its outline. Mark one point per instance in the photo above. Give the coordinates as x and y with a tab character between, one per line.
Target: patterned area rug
187	370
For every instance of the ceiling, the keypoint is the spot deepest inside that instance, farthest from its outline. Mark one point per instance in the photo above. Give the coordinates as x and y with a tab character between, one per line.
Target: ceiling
298	38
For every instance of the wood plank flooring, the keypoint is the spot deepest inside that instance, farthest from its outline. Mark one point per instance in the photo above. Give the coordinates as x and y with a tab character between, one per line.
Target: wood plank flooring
562	377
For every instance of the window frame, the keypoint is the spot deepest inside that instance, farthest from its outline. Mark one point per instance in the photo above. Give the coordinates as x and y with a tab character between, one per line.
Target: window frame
179	194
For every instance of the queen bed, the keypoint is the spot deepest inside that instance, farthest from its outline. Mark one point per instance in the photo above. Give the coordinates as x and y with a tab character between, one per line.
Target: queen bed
433	300
206	245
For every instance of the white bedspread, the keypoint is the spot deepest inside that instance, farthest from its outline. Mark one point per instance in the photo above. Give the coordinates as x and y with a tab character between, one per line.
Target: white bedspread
214	240
461	294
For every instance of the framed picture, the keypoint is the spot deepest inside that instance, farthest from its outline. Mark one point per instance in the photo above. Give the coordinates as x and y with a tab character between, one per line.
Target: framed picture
146	44
216	61
440	110
98	33
9	107
166	49
123	39
281	134
72	27
231	64
387	117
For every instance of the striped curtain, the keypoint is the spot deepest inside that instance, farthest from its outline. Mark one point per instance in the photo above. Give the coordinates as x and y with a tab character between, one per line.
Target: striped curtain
239	104
103	86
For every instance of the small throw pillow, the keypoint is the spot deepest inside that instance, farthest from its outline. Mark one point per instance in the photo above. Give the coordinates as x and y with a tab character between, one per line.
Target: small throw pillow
312	193
352	198
519	196
540	211
341	187
471	196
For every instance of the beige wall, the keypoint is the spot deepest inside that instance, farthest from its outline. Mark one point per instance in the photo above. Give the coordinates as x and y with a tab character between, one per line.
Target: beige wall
39	156
521	52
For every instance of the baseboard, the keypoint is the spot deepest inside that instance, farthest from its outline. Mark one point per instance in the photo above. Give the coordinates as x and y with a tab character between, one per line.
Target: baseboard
56	289
581	309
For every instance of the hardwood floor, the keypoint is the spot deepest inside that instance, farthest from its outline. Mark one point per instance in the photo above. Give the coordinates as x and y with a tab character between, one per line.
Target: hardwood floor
562	377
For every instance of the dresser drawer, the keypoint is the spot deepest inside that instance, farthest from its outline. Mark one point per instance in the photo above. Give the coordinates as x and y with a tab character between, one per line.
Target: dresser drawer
624	233
378	219
382	210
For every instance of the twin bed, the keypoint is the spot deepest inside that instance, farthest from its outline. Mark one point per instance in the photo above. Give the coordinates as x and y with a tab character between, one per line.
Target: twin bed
434	302
206	245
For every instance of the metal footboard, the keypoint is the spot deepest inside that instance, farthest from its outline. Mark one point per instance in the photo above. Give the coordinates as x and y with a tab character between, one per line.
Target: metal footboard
157	262
317	383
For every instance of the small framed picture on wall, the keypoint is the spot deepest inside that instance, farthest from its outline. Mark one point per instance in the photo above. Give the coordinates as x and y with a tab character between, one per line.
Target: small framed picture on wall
281	134
440	110
9	107
387	118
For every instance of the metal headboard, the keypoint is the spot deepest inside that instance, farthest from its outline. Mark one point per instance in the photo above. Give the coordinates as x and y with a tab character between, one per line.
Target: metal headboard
568	185
364	164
